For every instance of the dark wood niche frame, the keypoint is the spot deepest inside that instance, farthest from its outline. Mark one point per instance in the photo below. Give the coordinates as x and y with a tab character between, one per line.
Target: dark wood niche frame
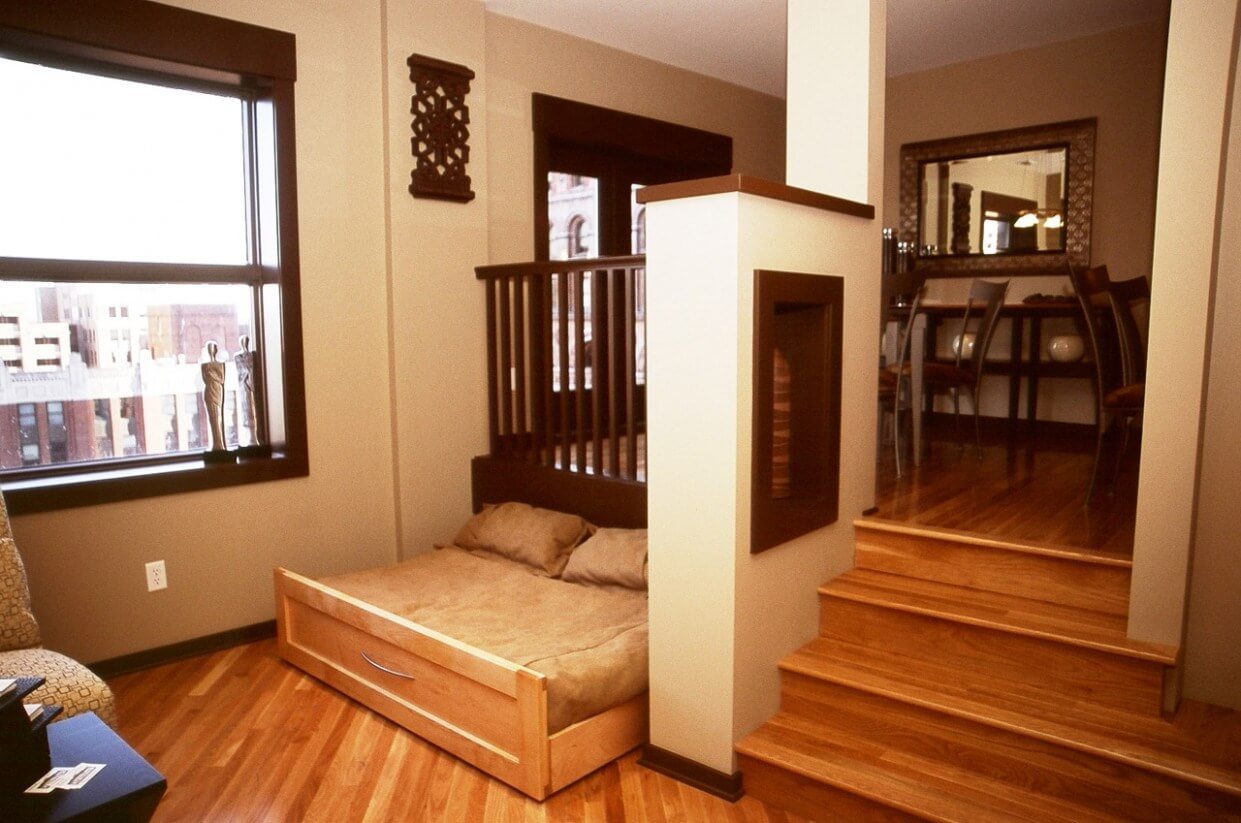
803	315
1077	137
585	137
441	128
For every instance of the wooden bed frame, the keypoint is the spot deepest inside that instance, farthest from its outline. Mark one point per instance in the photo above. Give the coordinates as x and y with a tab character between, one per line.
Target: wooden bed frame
485	710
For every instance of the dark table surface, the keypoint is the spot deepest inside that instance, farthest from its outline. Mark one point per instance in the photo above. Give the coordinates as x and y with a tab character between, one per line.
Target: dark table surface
127	789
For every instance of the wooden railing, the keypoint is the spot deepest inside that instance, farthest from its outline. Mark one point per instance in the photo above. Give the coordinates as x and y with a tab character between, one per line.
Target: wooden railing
566	382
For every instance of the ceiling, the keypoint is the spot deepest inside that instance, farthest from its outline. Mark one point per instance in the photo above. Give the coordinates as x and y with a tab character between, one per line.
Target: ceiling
742	41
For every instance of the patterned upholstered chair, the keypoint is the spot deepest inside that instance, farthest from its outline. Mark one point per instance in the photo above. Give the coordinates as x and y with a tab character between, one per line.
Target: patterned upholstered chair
69	683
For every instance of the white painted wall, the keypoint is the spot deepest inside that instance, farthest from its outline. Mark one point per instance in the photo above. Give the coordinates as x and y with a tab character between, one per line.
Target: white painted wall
1201	41
1212	646
693	412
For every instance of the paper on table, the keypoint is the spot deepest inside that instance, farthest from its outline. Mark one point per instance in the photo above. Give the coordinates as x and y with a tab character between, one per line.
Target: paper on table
50	781
80	775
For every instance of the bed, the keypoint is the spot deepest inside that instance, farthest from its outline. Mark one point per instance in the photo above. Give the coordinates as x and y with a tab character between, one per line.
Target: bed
535	680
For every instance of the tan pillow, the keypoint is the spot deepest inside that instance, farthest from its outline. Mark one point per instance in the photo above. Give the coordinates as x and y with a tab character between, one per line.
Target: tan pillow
18	629
537	537
612	557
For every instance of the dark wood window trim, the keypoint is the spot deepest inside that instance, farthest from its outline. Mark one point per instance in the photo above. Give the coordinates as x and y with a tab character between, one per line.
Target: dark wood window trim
599	142
184	48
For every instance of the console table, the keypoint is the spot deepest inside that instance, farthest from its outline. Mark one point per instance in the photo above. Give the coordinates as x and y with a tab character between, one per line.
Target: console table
127	789
1027	324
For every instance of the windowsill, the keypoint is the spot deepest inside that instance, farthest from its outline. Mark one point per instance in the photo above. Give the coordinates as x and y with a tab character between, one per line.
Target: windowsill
112	485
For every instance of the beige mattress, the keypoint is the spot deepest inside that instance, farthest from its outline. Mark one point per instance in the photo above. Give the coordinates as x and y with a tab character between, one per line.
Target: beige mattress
590	641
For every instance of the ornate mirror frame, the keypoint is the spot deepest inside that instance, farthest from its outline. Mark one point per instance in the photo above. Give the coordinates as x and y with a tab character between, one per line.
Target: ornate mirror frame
1077	136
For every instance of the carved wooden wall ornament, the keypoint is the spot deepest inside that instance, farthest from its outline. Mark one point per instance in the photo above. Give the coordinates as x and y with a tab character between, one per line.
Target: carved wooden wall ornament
441	129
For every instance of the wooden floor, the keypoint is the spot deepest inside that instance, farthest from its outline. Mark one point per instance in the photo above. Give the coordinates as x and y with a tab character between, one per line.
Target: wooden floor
1019	490
242	736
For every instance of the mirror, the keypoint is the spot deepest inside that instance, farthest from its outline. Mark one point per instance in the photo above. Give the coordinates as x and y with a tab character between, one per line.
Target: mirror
995	204
1011	202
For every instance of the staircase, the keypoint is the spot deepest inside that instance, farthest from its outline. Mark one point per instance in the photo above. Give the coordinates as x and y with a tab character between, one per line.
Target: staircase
961	678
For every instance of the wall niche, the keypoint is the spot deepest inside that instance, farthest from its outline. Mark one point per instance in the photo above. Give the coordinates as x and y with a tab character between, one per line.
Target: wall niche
795	473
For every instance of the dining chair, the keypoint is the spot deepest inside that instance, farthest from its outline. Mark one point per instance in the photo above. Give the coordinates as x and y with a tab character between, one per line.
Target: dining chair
1120	386
966	372
890	382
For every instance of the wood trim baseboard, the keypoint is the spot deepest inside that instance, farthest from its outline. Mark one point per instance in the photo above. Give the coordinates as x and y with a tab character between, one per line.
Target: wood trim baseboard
692	773
129	663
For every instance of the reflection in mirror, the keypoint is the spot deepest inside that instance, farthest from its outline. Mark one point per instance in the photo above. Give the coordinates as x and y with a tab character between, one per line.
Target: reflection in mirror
994	204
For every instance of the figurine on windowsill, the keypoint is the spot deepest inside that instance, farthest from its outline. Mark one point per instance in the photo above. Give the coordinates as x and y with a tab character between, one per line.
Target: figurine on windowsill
247	378
213	399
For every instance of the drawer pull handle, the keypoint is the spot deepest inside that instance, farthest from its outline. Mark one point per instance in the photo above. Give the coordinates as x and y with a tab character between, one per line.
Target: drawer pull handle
383	668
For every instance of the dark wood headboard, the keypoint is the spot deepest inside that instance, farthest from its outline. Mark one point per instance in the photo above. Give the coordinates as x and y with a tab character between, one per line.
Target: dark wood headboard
603	501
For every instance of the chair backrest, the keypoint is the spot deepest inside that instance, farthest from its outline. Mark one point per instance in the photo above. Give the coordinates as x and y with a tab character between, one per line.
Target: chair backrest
907	329
988	298
1093	292
1124	296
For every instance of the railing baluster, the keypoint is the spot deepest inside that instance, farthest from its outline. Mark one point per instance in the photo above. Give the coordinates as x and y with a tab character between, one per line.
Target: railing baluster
639	285
631	428
598	363
493	404
562	293
547	333
519	365
616	370
506	367
579	371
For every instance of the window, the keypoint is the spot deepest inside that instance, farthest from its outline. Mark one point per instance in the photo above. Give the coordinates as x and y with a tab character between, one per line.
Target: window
175	223
592	160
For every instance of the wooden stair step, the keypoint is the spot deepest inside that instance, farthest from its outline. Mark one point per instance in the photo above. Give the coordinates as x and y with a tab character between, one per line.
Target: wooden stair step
1200	746
921	787
1083	578
1003	612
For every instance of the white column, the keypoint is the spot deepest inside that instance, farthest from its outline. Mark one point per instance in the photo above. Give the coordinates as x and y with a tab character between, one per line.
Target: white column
836	68
1196	98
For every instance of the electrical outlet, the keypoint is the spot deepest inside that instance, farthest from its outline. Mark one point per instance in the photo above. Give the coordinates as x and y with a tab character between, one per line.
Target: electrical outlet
157	577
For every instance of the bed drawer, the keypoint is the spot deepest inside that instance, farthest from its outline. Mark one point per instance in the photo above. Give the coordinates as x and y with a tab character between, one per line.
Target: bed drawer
439	694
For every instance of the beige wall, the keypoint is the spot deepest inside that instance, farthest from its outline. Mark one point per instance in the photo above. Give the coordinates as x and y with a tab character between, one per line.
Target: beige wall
522	59
1117	77
437	323
86	564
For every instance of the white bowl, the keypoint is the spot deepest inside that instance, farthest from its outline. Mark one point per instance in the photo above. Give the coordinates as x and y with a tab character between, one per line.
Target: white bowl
1065	348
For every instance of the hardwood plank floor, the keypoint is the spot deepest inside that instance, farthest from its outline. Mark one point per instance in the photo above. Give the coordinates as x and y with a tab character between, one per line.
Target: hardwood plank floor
1019	490
243	736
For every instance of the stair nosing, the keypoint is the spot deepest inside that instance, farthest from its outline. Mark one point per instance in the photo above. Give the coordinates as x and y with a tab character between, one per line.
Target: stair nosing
1052	732
1152	653
976	539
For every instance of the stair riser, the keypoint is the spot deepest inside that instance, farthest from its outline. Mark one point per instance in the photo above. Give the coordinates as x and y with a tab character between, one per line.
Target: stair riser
811	799
1064	581
1098	677
1105	784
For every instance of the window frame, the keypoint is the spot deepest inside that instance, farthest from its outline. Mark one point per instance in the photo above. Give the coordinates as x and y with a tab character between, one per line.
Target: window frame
151	42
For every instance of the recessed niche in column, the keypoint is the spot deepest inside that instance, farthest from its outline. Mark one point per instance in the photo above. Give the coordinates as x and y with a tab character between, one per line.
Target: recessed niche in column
796	416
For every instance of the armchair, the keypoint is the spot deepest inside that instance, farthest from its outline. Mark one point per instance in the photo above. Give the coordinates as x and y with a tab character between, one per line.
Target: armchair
68	683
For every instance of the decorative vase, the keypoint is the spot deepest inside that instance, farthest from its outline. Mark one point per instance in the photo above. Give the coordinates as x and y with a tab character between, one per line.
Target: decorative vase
1065	348
969	345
